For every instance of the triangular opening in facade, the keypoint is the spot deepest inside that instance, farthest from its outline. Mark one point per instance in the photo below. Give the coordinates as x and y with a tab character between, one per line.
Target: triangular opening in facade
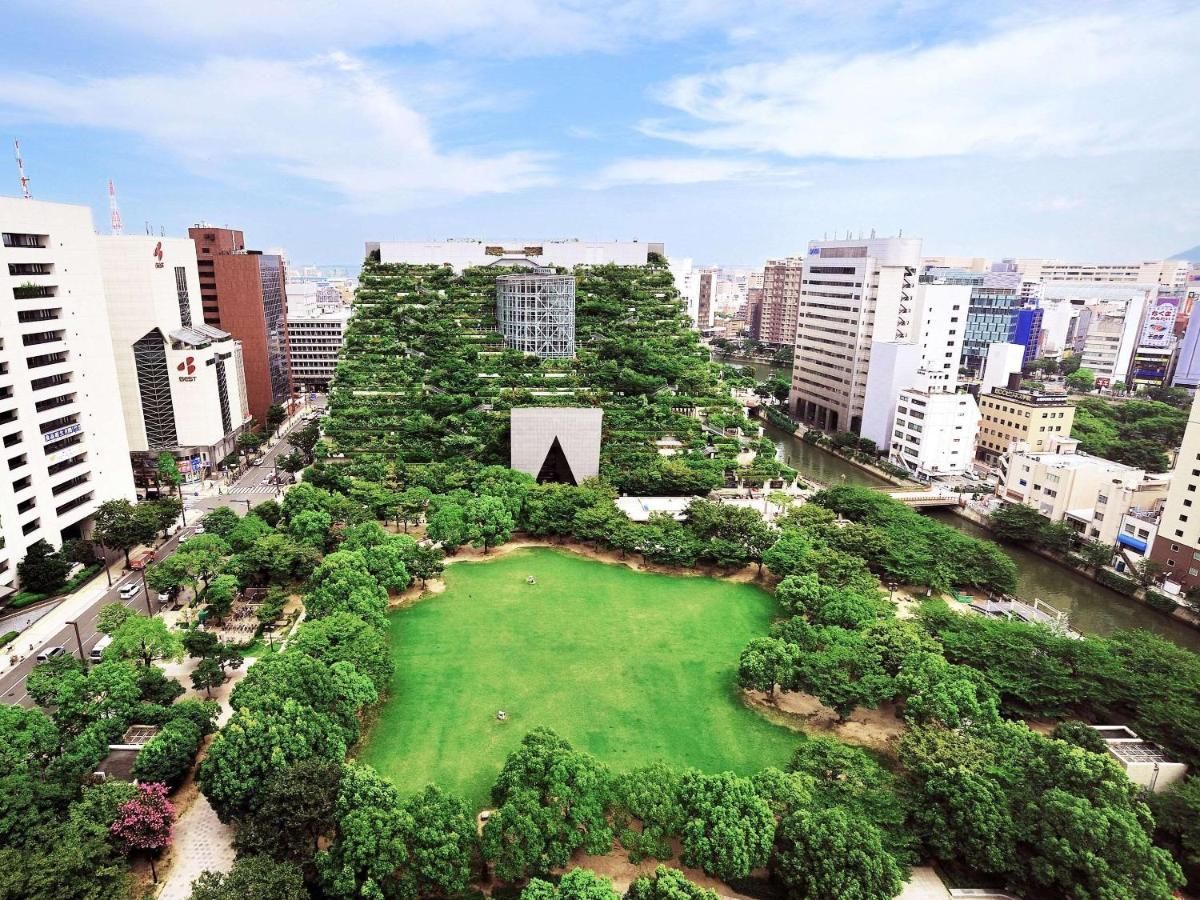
555	467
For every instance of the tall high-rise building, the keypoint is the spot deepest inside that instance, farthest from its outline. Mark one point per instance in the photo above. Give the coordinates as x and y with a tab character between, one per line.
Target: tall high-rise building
243	292
853	293
1177	544
780	300
59	401
182	386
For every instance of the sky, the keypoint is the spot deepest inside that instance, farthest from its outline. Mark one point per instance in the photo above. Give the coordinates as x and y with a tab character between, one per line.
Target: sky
733	131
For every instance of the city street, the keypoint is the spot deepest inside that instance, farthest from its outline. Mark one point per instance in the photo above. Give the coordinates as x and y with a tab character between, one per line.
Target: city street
246	491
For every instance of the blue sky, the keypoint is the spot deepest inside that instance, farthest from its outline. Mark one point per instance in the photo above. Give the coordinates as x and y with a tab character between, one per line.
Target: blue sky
731	131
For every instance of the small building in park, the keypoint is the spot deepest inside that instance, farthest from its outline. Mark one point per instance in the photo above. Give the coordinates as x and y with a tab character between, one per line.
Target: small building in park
556	443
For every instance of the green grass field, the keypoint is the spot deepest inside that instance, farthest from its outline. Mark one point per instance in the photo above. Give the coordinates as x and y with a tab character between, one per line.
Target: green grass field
631	667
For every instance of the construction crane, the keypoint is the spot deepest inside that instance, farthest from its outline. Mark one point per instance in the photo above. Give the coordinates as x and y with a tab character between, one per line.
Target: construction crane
114	211
21	169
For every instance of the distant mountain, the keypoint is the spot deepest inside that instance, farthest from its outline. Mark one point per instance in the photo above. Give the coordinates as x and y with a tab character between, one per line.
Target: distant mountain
1192	255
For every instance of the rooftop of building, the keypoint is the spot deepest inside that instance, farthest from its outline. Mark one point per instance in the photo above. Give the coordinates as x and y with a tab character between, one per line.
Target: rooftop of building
1029	398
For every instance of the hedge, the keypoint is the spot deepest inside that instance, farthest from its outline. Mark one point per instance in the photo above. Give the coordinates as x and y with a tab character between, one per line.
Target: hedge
8	638
1121	585
1161	602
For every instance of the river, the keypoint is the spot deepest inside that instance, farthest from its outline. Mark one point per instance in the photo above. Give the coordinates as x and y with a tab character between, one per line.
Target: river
1090	608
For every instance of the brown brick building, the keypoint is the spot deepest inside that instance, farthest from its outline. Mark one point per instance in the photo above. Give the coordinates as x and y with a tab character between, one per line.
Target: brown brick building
780	301
243	292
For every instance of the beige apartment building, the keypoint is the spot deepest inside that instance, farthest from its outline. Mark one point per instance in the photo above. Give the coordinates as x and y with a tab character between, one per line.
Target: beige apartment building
1092	494
1177	544
1170	273
1009	416
780	298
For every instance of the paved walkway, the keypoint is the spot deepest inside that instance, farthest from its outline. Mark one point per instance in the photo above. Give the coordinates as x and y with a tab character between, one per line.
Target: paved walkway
202	843
924	885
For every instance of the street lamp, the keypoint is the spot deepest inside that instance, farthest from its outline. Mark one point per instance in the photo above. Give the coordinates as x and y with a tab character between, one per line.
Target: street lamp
892	588
78	642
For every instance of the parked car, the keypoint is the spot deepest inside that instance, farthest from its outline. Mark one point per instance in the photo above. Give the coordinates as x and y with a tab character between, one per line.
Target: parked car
130	590
97	654
50	653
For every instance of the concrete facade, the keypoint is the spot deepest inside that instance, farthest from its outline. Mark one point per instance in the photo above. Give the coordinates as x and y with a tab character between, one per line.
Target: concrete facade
243	292
1171	273
780	300
576	430
854	293
934	433
1177	544
1010	417
315	337
182	385
59	398
467	253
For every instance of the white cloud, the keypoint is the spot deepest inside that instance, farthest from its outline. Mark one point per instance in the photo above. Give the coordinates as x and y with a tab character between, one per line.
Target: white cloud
1086	85
328	120
683	170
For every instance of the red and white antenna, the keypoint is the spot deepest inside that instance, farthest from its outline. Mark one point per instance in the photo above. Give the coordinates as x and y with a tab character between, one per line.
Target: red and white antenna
21	169
114	211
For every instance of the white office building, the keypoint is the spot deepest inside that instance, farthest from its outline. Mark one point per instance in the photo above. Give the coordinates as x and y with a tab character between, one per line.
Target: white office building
315	337
183	389
1111	331
687	282
1167	273
934	433
853	294
464	254
60	407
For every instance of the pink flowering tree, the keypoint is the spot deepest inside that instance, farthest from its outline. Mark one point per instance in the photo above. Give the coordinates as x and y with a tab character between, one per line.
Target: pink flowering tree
144	823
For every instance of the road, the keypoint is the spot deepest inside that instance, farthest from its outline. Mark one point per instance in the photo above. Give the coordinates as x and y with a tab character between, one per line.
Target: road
247	491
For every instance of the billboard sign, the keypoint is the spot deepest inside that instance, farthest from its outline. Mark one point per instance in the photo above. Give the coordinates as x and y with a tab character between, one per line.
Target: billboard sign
1160	322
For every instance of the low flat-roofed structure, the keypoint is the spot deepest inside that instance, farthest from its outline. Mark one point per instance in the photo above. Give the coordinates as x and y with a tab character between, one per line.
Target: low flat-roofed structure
1144	762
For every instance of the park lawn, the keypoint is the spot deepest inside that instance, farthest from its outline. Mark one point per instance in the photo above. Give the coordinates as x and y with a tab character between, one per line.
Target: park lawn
631	667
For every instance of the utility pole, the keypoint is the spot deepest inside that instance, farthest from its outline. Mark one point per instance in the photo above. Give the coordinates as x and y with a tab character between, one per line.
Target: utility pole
79	643
146	588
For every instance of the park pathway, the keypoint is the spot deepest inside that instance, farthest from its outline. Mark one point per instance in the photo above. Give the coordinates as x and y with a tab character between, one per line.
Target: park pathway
201	842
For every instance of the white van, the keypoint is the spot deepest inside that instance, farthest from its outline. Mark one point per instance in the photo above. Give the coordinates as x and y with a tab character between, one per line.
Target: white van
97	654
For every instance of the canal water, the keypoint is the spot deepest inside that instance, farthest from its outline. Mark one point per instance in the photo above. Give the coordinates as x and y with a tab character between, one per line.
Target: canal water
1090	608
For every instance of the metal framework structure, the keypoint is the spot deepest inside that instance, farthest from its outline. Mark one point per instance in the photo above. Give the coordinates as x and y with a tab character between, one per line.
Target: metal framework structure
536	313
154	385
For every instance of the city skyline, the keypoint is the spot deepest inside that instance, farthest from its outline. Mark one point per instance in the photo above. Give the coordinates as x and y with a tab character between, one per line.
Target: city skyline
734	135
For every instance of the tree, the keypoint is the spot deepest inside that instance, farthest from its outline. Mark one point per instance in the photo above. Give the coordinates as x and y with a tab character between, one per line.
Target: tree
1095	554
255	744
344	637
43	570
168	757
117	525
667	884
112	616
1148	571
290	462
200	644
1177	817
248	442
252	877
728	827
1082	380
426	562
578	884
163	512
370	855
207	675
843	671
269	512
767	662
489	522
275	417
144	822
443	843
220	521
1080	734
312	528
145	639
828	853
411	505
448	526
168	472
305	439
296	811
1017	522
220	594
650	795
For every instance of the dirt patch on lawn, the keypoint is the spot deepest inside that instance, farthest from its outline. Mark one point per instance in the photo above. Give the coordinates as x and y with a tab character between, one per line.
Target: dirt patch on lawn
877	729
616	865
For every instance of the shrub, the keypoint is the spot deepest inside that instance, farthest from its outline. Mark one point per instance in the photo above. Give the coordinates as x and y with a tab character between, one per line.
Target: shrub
1116	582
1161	602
